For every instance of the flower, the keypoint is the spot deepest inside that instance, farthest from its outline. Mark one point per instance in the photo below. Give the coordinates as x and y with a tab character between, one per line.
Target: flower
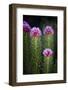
48	30
35	32
47	52
26	27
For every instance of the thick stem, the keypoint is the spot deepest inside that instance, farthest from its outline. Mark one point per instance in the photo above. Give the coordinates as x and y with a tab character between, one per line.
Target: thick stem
48	41
26	53
35	54
48	61
48	64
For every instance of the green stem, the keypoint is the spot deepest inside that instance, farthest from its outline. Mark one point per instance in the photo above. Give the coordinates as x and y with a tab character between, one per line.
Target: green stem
48	64
48	41
48	61
26	53
35	54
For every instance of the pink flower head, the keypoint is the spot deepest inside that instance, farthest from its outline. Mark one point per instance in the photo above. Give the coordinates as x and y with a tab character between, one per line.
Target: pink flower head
47	52
26	27
48	30
35	32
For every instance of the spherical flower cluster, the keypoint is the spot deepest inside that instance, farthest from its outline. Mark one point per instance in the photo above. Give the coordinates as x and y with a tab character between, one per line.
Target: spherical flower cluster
35	32
26	27
48	30
47	52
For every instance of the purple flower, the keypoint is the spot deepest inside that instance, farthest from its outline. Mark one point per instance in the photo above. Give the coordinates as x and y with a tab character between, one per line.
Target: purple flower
48	30
47	52
26	27
35	32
